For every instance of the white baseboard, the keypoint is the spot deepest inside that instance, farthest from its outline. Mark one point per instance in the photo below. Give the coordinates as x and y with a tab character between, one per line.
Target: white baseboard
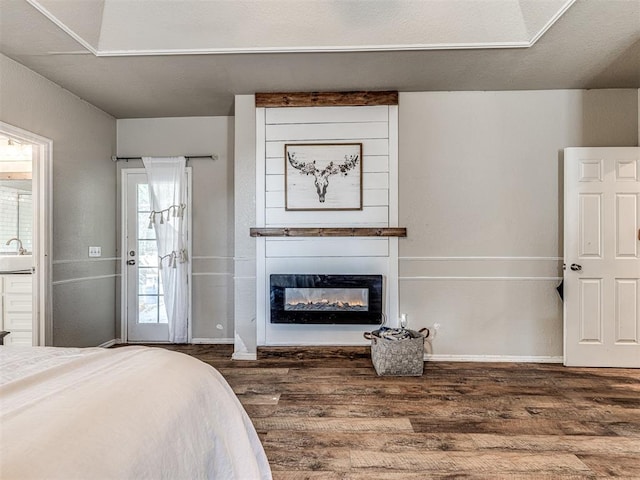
427	357
213	341
492	358
440	357
244	356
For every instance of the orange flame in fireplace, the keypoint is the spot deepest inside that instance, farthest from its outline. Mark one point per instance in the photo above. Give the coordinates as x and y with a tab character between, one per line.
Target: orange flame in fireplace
327	298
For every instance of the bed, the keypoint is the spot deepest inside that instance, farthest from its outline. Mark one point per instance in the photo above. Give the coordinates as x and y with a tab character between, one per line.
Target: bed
123	413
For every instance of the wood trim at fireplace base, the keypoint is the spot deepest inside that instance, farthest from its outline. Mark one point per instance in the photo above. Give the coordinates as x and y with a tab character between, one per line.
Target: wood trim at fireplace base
315	352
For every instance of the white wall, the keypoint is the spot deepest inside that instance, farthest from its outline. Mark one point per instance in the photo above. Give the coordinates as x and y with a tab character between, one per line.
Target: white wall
245	339
481	196
212	214
375	127
83	199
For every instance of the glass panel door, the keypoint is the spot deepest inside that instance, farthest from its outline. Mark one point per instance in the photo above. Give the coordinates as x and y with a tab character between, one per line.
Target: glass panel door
146	315
150	298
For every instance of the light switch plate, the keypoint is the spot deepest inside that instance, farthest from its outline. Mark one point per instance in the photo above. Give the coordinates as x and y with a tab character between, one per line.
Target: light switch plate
95	251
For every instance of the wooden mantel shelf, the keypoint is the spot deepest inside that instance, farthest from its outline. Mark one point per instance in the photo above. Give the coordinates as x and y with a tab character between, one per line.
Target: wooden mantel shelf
329	232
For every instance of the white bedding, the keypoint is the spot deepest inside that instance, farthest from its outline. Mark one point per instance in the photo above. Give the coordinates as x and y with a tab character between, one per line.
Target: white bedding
124	413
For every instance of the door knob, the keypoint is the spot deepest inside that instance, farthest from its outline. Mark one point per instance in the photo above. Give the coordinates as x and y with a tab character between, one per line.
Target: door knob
576	268
133	262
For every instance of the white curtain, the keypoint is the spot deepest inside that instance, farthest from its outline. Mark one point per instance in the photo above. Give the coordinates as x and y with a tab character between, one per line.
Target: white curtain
168	193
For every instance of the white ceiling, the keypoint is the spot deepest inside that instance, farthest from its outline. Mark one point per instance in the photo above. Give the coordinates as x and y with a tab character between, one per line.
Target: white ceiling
151	27
150	58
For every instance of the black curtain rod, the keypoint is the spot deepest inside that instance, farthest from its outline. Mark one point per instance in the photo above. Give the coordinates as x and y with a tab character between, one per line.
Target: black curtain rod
188	157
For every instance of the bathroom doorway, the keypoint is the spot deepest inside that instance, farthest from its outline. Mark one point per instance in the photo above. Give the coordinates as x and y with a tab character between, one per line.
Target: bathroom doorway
25	236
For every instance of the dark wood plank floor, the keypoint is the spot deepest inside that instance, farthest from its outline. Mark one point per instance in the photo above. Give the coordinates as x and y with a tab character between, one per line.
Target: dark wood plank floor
322	413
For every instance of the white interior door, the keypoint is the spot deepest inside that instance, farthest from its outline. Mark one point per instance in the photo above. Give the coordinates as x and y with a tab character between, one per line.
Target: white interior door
602	243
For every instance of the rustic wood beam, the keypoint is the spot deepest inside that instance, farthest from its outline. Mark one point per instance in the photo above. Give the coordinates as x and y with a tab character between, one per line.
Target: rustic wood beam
15	175
326	99
328	232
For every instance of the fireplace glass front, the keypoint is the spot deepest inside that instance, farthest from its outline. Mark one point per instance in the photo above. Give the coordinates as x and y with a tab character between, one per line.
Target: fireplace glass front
338	299
326	299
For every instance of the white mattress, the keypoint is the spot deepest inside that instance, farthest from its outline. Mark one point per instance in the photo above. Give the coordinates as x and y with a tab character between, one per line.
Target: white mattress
124	413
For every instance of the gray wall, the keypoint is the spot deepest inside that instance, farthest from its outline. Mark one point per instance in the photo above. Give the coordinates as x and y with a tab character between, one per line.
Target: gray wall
84	138
481	187
480	181
480	194
212	215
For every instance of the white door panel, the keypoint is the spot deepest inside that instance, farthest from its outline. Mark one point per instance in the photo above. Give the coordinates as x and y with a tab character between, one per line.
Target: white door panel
602	276
146	317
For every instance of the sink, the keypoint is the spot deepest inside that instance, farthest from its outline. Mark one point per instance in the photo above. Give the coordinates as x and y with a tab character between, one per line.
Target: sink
10	263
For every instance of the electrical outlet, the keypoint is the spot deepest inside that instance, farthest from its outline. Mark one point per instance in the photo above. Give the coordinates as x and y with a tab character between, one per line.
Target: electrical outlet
95	251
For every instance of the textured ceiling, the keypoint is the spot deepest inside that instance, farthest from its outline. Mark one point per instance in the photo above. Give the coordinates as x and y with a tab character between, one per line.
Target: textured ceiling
594	44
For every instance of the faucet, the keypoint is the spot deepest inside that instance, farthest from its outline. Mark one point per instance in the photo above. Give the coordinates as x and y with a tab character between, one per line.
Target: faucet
21	250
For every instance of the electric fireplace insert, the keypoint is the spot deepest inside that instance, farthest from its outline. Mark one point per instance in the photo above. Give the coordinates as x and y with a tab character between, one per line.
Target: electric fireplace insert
328	299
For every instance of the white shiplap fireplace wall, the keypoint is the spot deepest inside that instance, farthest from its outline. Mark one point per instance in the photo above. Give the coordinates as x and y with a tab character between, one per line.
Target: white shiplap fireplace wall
376	127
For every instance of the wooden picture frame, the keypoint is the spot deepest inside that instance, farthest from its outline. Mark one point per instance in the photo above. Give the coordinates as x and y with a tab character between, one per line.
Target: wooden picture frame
323	176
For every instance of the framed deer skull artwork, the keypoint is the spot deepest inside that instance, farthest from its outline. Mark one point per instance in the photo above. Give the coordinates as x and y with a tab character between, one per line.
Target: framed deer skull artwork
323	176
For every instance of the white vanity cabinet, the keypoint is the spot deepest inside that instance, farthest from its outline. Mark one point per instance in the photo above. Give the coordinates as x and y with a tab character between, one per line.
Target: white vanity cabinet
17	308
